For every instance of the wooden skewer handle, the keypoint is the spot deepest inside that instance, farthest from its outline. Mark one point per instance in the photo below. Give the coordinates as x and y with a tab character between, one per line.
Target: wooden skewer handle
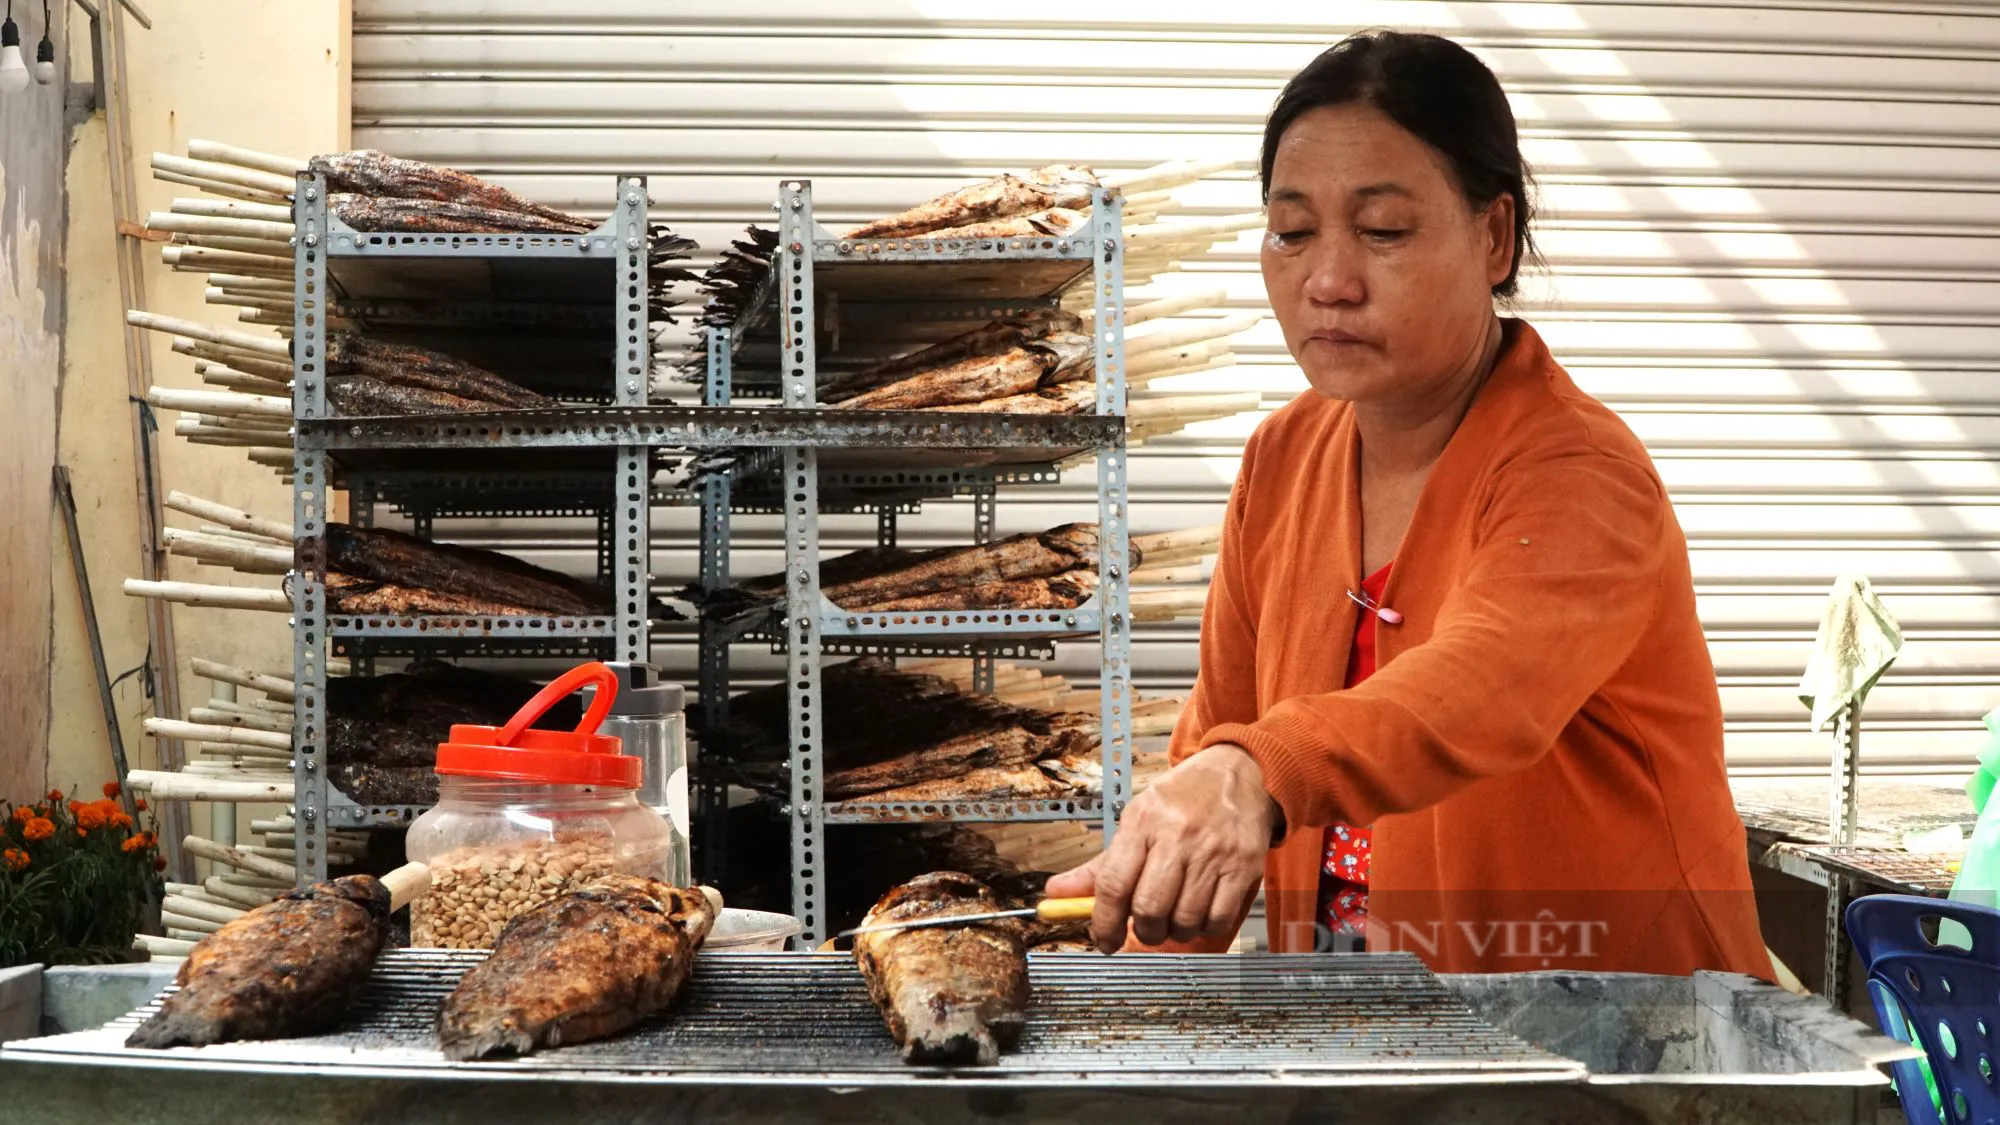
1065	909
256	865
407	884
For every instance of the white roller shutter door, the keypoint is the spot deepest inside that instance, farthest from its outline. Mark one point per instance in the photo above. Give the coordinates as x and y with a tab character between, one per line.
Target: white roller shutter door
1773	233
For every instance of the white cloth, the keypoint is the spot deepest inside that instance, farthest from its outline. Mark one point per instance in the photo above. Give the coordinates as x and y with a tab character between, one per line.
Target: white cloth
1857	642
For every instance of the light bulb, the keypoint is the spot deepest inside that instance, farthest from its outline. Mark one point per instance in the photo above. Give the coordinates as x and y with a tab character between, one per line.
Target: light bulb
13	71
45	61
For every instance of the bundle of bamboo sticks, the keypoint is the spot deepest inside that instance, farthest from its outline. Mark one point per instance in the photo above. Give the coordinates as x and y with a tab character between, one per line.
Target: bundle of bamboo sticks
244	878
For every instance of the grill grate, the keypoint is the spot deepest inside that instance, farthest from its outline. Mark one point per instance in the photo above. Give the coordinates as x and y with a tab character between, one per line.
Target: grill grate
807	1017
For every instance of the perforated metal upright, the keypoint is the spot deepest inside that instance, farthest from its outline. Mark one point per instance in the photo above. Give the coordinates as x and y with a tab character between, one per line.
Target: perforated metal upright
320	240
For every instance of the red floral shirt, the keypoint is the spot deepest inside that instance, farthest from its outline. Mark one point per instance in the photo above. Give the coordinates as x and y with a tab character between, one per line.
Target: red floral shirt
1343	869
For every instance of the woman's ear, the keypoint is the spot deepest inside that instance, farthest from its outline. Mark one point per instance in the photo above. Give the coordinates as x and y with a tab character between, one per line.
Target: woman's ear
1497	220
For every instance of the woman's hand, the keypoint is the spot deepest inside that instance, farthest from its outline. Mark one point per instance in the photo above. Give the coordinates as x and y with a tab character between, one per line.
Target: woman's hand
1187	854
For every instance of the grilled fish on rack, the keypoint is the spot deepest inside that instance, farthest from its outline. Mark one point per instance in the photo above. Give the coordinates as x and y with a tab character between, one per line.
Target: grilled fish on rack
1055	186
436	216
949	994
367	172
589	964
288	968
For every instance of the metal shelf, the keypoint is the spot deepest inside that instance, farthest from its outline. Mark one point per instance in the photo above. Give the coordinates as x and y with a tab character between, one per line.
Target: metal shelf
348	627
895	282
962	812
1044	437
343	812
566	313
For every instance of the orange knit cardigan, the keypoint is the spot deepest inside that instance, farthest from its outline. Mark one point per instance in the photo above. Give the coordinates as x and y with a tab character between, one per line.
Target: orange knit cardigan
1540	748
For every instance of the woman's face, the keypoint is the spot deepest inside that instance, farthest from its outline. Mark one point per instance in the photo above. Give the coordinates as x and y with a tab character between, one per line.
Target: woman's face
1380	274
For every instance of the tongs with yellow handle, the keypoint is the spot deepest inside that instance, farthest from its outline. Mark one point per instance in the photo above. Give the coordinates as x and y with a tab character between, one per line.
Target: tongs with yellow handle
1048	910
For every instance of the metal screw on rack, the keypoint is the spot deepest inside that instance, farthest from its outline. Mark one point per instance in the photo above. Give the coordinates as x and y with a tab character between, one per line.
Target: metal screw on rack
312	240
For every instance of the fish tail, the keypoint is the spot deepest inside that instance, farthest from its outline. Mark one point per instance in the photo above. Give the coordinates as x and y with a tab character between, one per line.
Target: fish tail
490	1038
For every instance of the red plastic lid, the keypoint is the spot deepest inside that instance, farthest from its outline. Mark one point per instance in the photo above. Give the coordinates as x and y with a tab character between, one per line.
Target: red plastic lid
517	753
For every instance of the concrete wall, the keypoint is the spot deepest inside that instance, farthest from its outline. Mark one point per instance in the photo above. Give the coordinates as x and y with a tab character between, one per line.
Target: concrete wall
31	317
251	73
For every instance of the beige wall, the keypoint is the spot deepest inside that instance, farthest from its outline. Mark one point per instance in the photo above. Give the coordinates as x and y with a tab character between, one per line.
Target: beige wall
252	73
31	219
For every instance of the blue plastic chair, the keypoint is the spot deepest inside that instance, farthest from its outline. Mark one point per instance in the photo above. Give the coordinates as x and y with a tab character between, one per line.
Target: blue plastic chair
1940	997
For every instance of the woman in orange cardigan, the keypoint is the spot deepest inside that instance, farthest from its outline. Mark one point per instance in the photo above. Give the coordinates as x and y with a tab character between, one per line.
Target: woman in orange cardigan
1453	607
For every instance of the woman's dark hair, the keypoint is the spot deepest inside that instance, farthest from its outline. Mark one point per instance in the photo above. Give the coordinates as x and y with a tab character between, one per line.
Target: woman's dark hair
1438	91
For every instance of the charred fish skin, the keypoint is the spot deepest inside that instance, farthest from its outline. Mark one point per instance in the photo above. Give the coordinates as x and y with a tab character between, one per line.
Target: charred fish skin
288	968
951	995
589	964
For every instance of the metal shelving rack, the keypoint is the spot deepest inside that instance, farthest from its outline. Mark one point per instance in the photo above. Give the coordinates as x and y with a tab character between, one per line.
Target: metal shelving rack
968	281
468	280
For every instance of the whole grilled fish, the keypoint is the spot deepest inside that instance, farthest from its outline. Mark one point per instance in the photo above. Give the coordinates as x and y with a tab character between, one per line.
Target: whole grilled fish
949	994
367	172
1056	186
377	213
589	964
288	968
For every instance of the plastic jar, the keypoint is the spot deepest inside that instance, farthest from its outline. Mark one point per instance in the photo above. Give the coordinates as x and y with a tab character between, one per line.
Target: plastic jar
524	815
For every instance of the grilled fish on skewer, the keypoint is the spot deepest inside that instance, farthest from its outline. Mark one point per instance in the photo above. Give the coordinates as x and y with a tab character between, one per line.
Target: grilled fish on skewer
1057	185
435	216
949	994
367	172
589	964
289	968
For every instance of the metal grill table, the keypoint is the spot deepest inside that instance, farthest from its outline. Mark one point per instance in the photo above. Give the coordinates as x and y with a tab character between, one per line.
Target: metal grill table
806	1018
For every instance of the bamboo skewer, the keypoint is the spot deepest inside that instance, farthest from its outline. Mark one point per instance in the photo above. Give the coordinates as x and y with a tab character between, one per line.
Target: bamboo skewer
1140	239
222	402
1163	576
200	259
229	517
175	728
217	152
191	785
187	906
233	209
1207	539
1171	174
216	187
260	230
213	597
1146	379
243	754
249	363
1160	359
215	296
1184	335
232	174
246	897
1173	306
1167	605
173	921
277	687
237	554
210	716
1190	408
194	330
234	857
252	247
253	284
162	948
261	709
222	375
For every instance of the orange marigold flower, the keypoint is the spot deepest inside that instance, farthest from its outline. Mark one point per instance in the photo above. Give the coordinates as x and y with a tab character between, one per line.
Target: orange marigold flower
39	828
139	803
15	859
111	789
133	844
75	807
119	819
91	817
55	796
22	813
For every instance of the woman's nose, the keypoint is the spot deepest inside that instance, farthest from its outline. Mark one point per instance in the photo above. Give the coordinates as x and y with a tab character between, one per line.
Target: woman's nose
1335	277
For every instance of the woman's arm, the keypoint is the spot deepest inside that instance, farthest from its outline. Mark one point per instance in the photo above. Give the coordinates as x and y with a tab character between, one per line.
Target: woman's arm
1203	908
1564	579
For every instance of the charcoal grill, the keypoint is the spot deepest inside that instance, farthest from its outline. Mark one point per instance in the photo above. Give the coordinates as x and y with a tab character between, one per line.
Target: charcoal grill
806	1018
